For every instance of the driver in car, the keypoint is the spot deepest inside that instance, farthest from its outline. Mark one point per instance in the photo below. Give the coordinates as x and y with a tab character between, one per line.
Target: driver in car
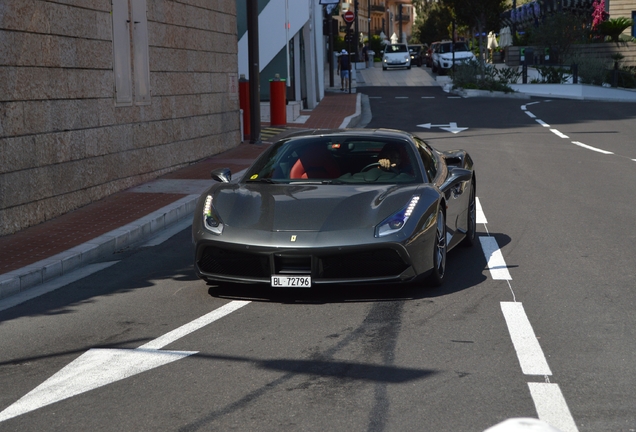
390	159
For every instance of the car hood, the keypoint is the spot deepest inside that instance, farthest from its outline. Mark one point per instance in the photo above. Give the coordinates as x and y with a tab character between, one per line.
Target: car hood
396	56
318	208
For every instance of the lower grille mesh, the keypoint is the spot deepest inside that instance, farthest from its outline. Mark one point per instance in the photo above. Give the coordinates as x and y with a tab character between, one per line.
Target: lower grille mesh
353	265
377	263
232	263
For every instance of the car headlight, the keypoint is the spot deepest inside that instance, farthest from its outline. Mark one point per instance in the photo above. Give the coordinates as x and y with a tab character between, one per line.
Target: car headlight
397	220
211	219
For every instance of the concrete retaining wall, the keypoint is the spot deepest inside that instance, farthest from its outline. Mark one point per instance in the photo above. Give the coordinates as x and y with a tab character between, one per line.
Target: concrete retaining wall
63	141
600	50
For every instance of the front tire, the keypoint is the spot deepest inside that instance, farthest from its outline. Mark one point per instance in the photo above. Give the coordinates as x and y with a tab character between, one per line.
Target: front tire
436	278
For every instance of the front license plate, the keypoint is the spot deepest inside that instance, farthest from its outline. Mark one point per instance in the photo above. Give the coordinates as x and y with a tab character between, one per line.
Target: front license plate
291	281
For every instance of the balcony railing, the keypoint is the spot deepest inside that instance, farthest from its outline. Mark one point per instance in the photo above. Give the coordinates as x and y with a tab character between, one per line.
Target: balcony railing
378	8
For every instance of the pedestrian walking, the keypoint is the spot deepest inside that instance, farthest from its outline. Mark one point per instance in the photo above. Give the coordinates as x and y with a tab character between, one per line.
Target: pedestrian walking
344	70
365	55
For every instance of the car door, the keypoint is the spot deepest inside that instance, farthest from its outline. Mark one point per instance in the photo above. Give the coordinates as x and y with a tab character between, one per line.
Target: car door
452	188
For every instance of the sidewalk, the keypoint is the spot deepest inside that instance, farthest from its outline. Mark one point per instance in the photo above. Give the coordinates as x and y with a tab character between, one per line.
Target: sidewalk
97	231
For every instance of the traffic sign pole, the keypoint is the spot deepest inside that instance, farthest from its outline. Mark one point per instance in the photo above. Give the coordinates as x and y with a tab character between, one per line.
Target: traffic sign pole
349	17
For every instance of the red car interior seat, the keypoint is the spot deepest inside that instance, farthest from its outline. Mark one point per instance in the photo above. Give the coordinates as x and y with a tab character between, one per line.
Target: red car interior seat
315	162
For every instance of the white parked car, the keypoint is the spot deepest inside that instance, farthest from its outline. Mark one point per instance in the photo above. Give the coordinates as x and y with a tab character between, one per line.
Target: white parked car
396	56
443	56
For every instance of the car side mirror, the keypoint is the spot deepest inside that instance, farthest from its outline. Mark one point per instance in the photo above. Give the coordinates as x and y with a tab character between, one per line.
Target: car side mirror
223	175
457	174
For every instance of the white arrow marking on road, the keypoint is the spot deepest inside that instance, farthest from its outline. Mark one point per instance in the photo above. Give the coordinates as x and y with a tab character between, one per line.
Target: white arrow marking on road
99	367
451	127
93	369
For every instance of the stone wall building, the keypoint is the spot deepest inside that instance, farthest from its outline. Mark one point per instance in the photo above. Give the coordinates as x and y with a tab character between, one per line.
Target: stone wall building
97	96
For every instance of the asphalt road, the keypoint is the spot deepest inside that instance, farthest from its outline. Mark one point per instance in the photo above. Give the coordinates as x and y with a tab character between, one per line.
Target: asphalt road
102	354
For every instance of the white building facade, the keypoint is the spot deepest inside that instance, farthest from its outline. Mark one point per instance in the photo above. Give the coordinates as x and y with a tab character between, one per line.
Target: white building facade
291	44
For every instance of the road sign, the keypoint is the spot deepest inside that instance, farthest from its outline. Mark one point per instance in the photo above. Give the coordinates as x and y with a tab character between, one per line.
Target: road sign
349	16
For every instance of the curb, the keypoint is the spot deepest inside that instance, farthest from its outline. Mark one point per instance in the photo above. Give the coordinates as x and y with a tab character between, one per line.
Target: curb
467	93
354	119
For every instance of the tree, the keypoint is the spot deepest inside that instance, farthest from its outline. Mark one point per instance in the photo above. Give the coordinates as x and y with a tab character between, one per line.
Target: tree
614	27
481	15
559	31
434	22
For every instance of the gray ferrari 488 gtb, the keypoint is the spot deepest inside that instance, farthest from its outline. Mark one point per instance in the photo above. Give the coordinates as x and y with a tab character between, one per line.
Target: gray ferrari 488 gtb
337	207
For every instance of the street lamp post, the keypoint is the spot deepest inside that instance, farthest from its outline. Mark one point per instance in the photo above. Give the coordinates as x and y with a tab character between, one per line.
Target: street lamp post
514	24
254	71
356	30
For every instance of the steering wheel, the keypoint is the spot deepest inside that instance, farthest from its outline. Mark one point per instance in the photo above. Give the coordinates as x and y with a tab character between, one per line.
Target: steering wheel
377	164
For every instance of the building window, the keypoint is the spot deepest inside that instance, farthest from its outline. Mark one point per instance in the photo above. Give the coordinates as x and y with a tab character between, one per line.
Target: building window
129	64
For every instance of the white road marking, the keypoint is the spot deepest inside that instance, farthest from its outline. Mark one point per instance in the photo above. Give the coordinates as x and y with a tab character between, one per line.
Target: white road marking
548	399
186	329
428	97
54	284
95	368
99	367
401	97
529	353
450	127
496	263
559	134
481	217
580	144
551	406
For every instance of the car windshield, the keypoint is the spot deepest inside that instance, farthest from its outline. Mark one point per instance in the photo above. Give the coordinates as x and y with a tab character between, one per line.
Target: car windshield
337	159
395	49
447	47
461	46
